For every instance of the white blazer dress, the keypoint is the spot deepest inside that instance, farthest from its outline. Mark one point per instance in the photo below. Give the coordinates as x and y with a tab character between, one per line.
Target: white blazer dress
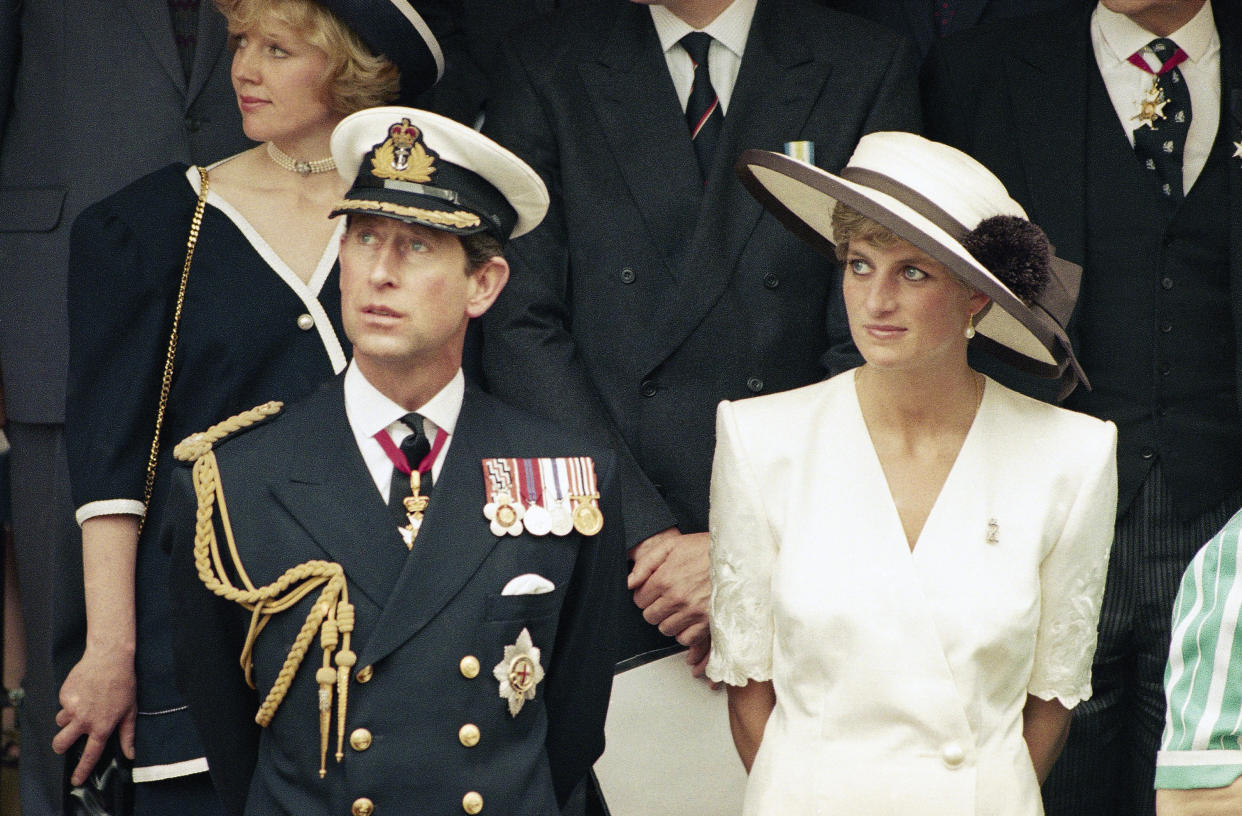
901	674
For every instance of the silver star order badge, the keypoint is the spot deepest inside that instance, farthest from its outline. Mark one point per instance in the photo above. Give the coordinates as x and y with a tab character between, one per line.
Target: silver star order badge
519	672
1237	150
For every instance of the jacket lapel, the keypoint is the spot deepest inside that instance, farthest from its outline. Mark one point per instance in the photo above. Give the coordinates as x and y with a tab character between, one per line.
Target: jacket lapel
1048	97
156	26
452	543
1229	23
326	473
777	87
636	104
212	29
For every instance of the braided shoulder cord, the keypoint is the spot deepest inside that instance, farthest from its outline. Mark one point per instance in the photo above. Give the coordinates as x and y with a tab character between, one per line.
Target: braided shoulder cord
332	614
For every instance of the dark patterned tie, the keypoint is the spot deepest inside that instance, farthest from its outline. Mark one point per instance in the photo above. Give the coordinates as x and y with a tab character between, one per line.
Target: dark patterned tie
1164	119
703	114
185	30
415	448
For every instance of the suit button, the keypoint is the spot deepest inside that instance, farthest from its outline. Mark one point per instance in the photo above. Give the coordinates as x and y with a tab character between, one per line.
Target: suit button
627	275
360	739
1166	327
1147	452
193	123
364	674
1165	368
472	802
362	807
306	322
1166	283
648	388
468	735
952	755
469	666
755	385
771	280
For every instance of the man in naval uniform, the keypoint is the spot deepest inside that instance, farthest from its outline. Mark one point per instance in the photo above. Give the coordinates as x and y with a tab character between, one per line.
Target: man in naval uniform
417	577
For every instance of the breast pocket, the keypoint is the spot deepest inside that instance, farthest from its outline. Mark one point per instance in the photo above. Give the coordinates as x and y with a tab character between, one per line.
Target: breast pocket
31	209
505	616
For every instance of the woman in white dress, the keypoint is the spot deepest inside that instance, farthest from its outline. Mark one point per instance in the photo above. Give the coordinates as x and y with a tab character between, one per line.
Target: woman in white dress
908	559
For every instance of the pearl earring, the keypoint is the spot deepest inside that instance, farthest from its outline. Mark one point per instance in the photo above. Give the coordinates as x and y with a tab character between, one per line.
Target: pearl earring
970	327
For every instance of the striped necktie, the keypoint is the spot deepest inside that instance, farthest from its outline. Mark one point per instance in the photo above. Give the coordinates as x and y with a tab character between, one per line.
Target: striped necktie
703	114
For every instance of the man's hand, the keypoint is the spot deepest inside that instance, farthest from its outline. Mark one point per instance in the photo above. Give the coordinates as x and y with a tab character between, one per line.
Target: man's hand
672	586
98	697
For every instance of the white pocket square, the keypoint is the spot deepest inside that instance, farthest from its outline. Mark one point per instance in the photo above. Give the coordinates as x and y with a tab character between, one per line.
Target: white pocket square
528	584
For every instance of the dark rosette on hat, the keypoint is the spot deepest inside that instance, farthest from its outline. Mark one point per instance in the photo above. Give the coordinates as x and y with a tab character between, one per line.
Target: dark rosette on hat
1015	251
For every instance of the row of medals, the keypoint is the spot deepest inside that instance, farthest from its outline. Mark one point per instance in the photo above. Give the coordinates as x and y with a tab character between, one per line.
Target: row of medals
538	520
558	519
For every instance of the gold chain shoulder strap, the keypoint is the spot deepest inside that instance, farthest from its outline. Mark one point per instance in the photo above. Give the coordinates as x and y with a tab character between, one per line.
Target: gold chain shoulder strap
332	615
166	384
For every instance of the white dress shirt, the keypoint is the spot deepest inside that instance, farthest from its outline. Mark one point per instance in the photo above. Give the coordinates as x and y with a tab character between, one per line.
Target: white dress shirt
728	31
1114	37
369	412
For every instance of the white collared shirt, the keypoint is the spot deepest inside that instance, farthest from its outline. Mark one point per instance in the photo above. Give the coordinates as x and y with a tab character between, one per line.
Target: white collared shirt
1114	37
728	31
369	412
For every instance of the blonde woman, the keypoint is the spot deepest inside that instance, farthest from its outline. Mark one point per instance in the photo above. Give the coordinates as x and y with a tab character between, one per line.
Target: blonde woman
908	559
260	321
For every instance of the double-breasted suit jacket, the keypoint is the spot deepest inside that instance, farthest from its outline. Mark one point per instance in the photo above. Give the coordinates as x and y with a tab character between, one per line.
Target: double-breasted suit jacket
1016	96
425	722
650	292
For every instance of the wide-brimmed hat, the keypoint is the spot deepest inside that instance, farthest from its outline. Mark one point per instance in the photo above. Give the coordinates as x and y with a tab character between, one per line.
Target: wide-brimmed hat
953	208
423	168
397	30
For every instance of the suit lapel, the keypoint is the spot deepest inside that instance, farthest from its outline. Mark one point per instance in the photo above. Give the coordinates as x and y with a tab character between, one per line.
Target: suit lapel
777	87
454	539
156	26
967	14
212	29
1048	98
325	474
636	104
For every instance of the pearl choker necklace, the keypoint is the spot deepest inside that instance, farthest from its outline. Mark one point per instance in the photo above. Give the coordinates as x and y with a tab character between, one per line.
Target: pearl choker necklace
302	168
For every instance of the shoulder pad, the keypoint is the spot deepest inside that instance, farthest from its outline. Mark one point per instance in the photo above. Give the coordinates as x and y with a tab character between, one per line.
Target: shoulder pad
197	444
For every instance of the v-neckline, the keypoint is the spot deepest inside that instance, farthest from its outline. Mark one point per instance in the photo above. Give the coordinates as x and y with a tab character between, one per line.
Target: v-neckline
898	529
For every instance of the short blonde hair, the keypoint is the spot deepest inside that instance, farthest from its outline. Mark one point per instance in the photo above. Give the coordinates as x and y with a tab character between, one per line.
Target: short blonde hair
849	225
357	78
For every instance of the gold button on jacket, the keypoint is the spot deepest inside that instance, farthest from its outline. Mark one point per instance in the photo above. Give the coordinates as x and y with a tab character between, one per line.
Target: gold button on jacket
362	807
469	667
360	739
469	735
472	802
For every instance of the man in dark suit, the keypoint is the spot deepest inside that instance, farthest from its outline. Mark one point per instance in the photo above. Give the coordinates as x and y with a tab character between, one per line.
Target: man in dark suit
656	286
471	649
1119	131
92	96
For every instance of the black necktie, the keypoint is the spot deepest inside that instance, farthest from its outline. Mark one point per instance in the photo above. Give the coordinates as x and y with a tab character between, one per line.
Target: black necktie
415	448
703	114
1164	119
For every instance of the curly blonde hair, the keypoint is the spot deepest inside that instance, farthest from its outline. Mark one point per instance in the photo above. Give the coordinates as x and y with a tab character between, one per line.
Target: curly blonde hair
848	225
357	78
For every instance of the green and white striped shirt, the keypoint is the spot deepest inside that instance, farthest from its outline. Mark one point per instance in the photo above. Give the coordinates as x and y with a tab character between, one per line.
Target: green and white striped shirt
1203	679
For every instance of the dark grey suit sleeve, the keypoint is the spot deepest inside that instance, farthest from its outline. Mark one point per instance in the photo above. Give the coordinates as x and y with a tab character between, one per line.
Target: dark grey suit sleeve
529	355
208	634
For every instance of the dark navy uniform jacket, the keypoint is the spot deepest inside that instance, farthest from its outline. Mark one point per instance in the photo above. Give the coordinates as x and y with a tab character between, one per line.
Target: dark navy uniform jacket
427	728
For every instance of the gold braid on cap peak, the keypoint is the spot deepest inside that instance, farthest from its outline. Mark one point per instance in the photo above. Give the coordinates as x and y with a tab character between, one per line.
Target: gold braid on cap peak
332	614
